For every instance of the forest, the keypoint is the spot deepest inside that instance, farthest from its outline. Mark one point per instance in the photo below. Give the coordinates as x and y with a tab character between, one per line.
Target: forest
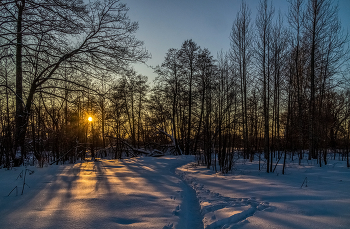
68	87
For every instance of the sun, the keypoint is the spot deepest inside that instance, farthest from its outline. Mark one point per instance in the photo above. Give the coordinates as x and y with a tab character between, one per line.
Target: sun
90	119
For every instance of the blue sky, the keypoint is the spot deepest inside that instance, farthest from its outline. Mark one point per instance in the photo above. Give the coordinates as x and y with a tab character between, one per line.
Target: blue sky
165	24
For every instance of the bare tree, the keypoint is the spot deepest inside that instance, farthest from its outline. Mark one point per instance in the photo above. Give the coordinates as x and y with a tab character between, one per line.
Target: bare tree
264	23
188	55
85	37
295	21
326	50
241	53
169	76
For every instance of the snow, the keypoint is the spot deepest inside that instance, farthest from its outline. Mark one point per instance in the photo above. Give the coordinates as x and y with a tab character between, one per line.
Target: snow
174	192
248	198
130	193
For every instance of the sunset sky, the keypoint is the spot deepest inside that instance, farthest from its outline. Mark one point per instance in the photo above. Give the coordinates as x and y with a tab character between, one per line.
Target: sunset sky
165	24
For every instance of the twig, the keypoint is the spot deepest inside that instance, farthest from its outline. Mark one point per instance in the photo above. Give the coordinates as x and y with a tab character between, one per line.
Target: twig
277	163
61	157
20	175
12	191
305	181
24	179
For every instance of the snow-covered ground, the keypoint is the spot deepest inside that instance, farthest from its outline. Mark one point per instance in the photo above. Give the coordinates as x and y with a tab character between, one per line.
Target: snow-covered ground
132	193
248	198
173	192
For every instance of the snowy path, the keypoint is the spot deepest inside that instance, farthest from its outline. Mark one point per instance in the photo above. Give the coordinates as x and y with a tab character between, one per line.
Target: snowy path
249	199
146	192
190	212
133	193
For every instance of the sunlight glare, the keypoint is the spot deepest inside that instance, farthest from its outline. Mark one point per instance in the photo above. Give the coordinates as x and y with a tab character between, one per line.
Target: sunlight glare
90	119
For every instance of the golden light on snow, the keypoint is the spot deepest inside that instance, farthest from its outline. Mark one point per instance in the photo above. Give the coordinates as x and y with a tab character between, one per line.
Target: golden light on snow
90	119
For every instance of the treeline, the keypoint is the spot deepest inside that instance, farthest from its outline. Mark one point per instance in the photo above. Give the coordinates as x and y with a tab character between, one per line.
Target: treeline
278	91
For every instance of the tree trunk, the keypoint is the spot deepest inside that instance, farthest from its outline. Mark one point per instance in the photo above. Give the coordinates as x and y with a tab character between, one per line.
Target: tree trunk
20	119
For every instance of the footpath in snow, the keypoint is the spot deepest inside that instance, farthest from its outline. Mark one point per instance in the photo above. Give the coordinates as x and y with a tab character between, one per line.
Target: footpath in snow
247	198
173	192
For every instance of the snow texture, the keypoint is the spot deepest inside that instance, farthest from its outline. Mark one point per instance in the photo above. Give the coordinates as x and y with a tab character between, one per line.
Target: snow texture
248	198
130	193
173	192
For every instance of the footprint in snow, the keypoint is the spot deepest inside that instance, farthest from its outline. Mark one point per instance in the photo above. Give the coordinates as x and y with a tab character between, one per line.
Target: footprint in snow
177	210
219	211
169	226
211	201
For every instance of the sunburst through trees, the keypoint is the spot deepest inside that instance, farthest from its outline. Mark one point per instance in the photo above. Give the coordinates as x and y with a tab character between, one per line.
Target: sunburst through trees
275	93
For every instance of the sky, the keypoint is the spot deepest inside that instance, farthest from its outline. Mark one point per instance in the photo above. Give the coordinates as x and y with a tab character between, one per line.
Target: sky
165	24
